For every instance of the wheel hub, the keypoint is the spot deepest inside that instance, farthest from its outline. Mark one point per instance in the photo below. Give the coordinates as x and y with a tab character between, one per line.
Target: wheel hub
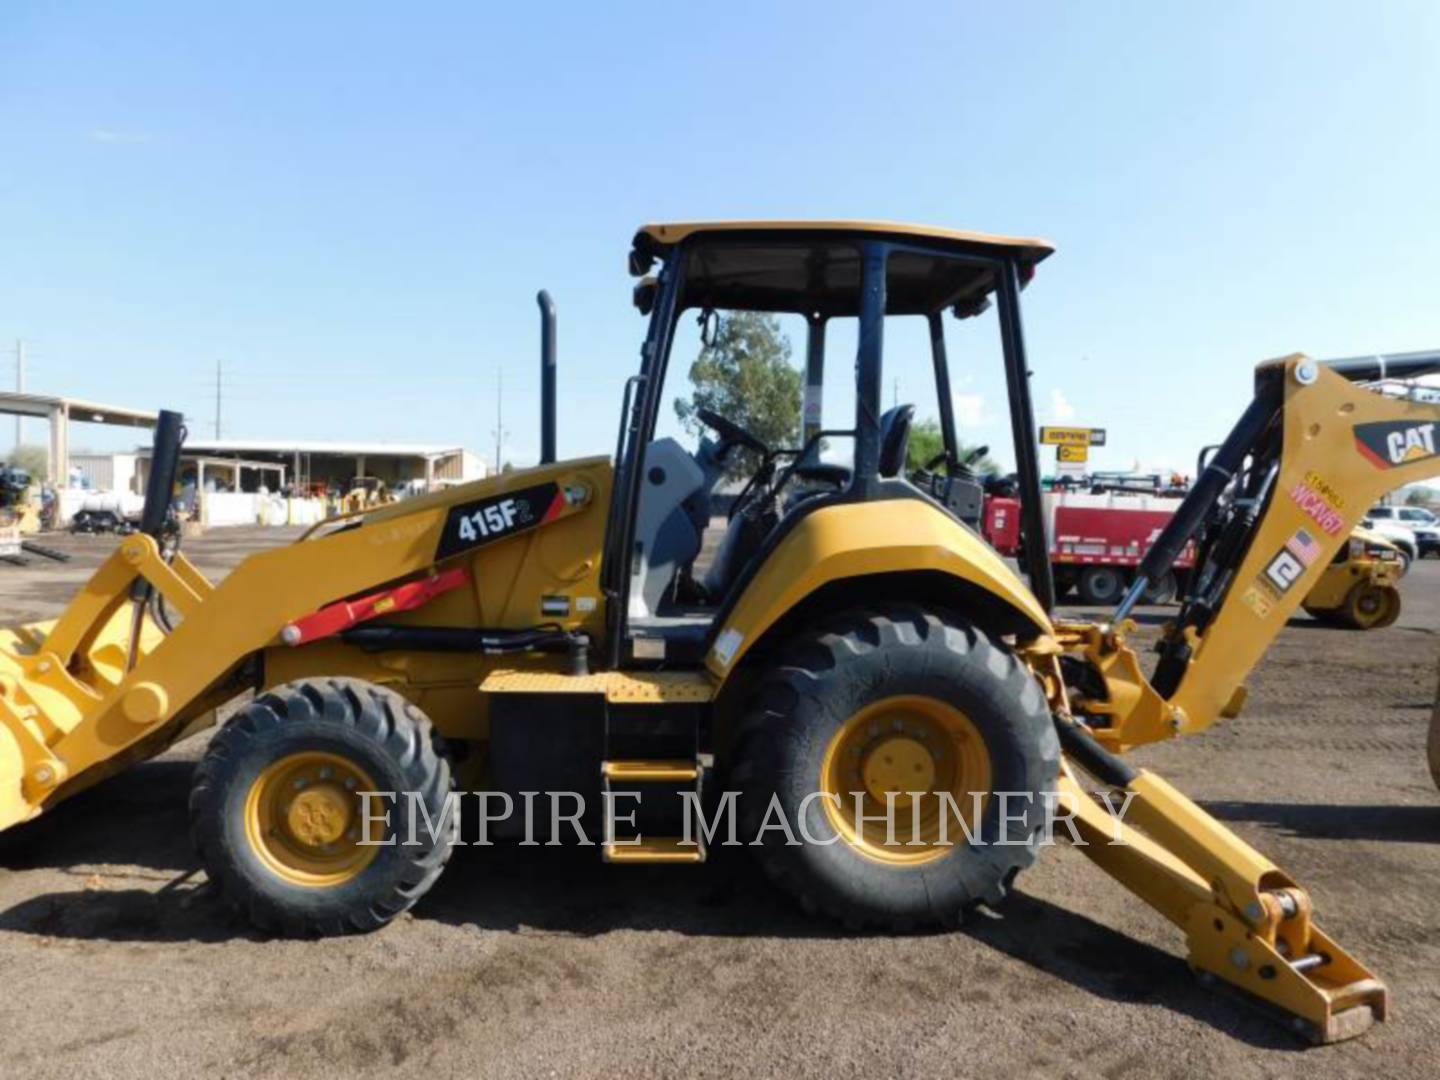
899	745
900	764
320	815
303	816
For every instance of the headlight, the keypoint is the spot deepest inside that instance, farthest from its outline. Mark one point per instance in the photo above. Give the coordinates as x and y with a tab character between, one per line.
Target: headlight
1357	547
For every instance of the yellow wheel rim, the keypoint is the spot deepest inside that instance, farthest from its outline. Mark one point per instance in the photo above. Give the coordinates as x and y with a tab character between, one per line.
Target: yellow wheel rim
304	819
906	744
1369	605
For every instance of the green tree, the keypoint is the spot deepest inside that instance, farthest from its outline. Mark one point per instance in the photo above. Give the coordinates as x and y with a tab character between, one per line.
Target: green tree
33	459
927	442
746	376
1420	496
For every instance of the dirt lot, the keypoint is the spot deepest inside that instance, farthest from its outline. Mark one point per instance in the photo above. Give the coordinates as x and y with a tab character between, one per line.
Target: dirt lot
526	962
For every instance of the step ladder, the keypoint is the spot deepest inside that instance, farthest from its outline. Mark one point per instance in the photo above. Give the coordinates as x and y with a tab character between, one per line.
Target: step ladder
649	730
633	765
669	778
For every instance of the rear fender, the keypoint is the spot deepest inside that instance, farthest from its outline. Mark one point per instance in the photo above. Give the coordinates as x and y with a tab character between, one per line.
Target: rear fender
854	541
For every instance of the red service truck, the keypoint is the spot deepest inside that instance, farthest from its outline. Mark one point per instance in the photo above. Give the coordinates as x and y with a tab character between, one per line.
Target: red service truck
1096	540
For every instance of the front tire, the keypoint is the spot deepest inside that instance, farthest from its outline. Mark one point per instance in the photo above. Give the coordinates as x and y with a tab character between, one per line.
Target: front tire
896	701
279	823
1371	607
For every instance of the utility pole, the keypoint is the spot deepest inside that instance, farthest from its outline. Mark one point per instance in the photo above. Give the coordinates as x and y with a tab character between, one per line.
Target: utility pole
19	384
499	420
217	400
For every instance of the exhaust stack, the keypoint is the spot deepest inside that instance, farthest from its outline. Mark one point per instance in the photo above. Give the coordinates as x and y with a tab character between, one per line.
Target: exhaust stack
547	377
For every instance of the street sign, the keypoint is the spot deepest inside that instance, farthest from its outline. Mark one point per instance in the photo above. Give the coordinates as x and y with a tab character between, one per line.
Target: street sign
1072	454
1072	436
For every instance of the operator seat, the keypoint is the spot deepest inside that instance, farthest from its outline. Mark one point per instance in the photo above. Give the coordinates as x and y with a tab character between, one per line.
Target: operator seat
895	439
747	530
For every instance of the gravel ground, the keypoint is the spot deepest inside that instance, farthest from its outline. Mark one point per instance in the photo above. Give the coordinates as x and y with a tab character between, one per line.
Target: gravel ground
525	962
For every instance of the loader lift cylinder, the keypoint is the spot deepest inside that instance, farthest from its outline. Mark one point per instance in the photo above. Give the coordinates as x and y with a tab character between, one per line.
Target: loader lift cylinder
164	467
159	491
547	377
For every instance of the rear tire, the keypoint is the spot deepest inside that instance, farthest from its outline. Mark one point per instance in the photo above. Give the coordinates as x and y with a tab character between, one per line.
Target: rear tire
805	709
276	816
1102	585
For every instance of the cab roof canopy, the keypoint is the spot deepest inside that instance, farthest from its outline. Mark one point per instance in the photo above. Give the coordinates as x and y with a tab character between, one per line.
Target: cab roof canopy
814	266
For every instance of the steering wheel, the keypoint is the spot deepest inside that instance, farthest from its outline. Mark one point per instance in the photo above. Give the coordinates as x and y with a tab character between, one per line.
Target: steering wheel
730	432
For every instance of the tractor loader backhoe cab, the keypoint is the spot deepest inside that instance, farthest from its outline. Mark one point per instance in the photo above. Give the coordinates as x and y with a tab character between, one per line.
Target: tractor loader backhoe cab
854	649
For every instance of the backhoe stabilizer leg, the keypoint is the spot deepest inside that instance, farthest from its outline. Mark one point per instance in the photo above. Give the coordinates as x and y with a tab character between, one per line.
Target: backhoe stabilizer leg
1245	921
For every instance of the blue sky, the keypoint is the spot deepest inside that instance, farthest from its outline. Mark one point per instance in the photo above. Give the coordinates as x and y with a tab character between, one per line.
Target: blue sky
351	205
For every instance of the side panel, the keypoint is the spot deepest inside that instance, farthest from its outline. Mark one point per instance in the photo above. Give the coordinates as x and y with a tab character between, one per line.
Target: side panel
548	573
856	539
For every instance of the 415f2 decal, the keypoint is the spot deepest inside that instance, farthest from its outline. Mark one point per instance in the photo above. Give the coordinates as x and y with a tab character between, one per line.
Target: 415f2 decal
1389	443
474	524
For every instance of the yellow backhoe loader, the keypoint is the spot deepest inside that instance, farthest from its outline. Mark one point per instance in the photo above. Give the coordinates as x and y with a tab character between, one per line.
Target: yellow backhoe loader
853	648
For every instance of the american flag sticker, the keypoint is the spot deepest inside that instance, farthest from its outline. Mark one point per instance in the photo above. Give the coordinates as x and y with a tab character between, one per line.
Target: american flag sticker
1304	547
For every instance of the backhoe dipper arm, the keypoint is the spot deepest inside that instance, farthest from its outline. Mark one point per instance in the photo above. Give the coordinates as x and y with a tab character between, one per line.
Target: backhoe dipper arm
1309	457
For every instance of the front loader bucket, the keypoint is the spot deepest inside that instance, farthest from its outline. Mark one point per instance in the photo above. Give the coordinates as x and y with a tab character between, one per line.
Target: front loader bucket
76	703
51	703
